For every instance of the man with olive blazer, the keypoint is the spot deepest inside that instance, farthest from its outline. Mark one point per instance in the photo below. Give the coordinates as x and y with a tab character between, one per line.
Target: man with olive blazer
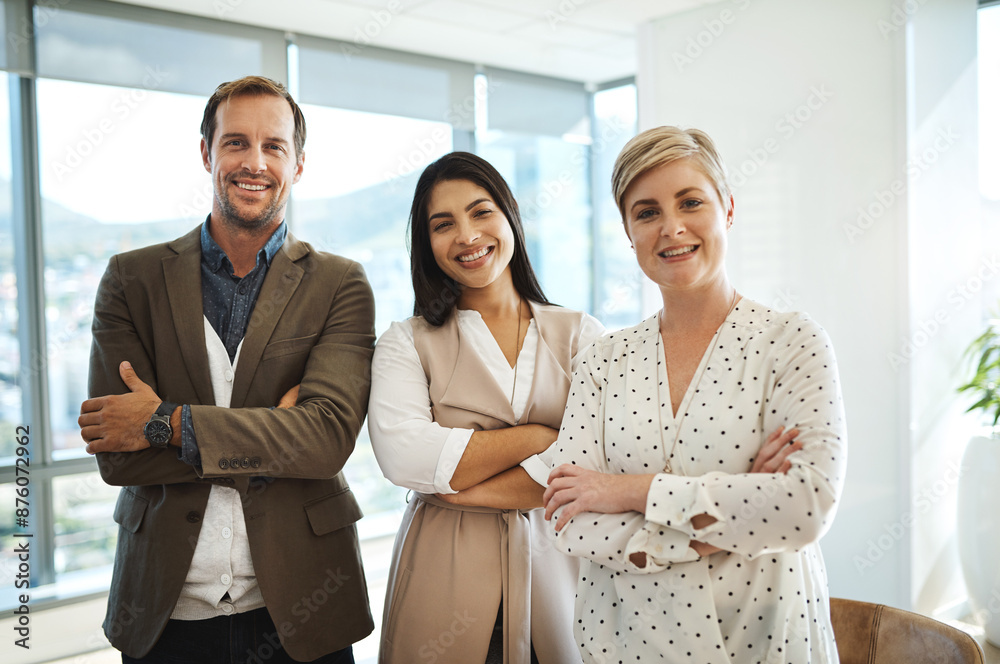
195	342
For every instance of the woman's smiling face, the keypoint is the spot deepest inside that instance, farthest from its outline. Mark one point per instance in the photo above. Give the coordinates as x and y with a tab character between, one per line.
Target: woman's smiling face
471	238
678	225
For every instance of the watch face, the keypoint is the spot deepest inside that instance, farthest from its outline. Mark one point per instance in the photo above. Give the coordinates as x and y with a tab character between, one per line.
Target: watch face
158	433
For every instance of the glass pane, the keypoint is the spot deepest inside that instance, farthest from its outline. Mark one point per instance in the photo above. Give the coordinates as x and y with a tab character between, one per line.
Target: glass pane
362	80
354	200
8	559
536	105
619	286
85	533
989	142
549	178
117	51
11	413
16	39
122	171
989	102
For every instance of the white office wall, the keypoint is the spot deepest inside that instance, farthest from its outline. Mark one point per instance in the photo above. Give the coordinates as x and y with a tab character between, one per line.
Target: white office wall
948	266
817	108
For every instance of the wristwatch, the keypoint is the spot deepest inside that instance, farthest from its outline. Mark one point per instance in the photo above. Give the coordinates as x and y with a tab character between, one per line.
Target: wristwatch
157	430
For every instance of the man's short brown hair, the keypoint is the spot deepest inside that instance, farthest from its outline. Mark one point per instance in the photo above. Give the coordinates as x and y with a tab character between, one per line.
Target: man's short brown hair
252	86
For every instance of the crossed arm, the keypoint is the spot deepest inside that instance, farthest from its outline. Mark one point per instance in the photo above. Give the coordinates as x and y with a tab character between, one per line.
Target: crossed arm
311	440
583	490
461	466
668	518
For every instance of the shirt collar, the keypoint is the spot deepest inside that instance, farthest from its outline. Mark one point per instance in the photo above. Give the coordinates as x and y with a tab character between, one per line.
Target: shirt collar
213	255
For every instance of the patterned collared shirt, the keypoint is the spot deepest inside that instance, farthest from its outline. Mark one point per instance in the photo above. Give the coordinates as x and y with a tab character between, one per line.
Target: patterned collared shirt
227	302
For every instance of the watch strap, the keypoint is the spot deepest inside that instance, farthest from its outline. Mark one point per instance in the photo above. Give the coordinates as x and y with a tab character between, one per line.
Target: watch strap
166	408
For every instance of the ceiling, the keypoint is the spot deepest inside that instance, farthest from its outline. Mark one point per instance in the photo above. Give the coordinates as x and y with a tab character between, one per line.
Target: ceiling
584	40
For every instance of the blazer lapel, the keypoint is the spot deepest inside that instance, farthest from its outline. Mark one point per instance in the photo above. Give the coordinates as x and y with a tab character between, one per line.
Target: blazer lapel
283	278
182	276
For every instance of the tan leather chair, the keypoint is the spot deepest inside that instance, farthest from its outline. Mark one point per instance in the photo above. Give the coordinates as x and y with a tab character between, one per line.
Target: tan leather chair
879	634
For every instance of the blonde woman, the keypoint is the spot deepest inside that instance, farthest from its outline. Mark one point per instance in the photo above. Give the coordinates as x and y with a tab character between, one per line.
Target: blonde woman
697	543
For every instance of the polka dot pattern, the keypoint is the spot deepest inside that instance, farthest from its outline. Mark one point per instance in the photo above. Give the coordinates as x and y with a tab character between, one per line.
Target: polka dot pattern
764	597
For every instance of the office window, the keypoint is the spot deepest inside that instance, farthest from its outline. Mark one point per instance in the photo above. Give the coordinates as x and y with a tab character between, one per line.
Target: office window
618	279
121	45
124	171
11	413
118	93
354	199
84	536
8	559
375	120
537	135
989	141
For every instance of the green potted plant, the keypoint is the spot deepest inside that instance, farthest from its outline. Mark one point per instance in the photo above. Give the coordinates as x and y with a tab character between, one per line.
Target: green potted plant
979	484
985	382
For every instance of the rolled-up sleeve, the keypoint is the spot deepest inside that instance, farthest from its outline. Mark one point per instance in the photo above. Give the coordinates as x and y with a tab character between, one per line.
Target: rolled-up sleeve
412	450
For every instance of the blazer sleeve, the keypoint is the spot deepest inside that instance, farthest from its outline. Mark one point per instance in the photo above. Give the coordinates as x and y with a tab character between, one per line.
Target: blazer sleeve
313	439
115	339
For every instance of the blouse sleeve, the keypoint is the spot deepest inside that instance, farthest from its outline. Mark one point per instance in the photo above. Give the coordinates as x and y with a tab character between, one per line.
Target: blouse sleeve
538	466
762	513
606	539
412	450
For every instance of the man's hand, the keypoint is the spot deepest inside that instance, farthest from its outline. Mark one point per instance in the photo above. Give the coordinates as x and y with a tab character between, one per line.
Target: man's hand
115	423
289	398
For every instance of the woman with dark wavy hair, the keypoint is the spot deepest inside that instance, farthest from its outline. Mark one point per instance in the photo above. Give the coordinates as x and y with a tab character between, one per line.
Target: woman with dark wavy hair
467	396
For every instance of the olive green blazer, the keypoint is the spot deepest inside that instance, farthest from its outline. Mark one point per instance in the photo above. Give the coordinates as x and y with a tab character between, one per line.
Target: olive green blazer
313	324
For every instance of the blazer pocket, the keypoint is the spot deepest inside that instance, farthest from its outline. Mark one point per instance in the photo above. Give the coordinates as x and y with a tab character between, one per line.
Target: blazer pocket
333	512
288	347
129	510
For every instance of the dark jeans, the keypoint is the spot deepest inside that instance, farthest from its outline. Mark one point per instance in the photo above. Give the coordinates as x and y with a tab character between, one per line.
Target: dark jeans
243	638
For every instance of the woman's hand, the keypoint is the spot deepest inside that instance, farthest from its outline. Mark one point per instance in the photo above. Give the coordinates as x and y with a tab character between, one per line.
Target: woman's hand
581	490
774	453
289	398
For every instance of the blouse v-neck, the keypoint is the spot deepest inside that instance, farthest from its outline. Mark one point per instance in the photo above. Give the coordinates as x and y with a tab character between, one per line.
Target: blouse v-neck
669	421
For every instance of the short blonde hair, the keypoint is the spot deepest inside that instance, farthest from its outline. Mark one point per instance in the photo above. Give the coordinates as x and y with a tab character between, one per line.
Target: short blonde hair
663	145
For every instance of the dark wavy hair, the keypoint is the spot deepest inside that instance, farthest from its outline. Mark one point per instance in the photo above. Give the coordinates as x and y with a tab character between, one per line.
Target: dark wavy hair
436	294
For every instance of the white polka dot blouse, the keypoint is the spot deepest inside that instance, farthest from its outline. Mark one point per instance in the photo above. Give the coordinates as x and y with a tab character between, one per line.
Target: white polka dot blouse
764	597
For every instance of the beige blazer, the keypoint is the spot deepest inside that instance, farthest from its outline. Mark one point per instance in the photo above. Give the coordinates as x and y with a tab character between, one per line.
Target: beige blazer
452	565
313	325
